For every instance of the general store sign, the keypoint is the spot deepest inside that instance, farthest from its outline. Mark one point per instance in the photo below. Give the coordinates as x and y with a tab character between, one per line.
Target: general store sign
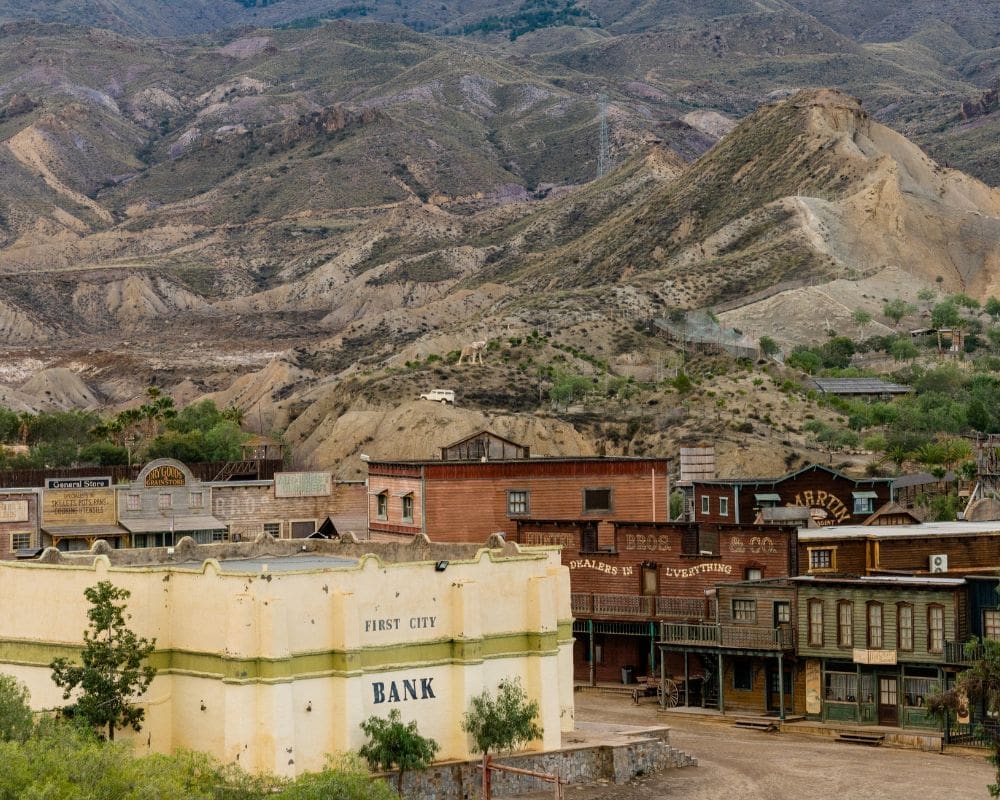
303	484
885	657
72	507
78	483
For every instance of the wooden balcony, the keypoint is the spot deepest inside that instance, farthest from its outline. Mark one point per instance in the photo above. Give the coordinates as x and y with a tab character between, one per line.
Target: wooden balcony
633	606
963	652
735	637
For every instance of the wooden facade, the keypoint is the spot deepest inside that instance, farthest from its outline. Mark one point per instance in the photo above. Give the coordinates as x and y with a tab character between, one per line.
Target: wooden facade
834	498
643	574
916	549
484	445
468	501
875	648
19	522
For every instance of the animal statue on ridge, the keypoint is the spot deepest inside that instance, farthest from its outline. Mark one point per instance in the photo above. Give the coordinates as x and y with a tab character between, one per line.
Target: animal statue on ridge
474	352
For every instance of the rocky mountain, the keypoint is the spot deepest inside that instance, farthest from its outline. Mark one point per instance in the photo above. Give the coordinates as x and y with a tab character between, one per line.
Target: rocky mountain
306	221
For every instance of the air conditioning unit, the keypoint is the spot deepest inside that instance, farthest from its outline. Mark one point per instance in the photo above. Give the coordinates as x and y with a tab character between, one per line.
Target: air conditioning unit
939	563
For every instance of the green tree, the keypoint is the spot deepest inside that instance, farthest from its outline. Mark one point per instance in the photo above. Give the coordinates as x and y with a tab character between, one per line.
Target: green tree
992	307
768	347
946	315
112	676
862	319
502	721
16	719
980	683
896	309
394	743
903	350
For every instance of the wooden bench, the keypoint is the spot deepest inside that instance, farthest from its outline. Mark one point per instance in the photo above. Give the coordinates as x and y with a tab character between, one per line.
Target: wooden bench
871	739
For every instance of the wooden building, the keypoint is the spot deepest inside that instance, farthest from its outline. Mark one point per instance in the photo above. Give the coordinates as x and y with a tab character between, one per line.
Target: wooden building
747	653
467	501
931	547
875	647
644	574
834	498
484	445
19	522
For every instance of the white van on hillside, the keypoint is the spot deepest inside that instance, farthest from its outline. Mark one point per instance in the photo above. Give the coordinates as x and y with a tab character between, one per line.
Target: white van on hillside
440	395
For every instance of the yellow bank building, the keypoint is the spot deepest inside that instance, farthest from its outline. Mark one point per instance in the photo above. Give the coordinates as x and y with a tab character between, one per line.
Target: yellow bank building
271	653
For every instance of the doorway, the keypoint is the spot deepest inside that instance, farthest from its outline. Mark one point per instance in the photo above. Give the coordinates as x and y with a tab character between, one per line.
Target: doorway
773	697
888	701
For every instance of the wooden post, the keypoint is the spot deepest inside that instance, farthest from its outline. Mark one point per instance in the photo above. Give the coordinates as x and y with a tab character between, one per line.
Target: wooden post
486	776
593	667
781	687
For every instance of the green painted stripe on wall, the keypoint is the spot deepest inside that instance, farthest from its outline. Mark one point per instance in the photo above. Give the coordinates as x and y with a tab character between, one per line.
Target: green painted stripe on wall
343	663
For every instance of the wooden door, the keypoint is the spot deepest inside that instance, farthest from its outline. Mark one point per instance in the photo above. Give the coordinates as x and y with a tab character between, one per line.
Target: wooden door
888	701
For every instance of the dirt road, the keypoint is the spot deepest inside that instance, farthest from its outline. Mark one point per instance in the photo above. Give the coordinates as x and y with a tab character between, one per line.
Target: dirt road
738	764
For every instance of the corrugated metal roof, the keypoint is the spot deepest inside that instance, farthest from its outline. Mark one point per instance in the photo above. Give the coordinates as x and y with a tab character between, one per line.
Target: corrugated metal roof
859	386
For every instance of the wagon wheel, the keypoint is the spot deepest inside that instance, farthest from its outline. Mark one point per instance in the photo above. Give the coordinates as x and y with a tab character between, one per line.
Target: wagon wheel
667	693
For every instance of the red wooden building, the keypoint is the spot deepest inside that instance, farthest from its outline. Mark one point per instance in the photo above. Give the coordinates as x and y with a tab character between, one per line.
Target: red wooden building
469	499
834	498
645	574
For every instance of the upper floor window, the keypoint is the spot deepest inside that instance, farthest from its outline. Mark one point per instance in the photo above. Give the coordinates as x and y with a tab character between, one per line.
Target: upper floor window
754	574
822	558
705	507
991	624
875	638
815	623
723	506
744	610
517	501
596	500
935	629
904	626
782	613
382	505
408	508
133	502
864	502
164	500
845	623
196	500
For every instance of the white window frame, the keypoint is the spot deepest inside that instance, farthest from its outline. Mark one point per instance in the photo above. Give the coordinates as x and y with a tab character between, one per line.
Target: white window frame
14	546
991	624
706	505
723	506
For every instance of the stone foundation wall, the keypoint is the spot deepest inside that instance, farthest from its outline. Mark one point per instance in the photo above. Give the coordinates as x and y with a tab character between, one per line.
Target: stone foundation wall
612	763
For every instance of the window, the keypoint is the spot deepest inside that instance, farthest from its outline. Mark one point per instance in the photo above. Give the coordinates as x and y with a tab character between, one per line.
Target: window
273	529
991	624
133	502
650	579
935	629
408	508
742	675
864	502
815	623
382	505
782	613
164	500
744	610
195	500
596	500
822	559
841	687
723	506
904	626
845	623
916	689
20	541
754	574
303	529
517	501
705	507
220	536
874	626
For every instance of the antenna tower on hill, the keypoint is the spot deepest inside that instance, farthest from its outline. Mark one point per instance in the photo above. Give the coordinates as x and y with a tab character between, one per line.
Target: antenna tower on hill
603	157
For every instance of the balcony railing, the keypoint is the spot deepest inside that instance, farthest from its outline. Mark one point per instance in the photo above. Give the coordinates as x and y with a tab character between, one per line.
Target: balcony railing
732	636
647	606
963	652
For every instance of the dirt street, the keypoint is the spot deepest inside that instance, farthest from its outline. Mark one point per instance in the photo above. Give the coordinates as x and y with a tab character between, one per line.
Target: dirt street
750	765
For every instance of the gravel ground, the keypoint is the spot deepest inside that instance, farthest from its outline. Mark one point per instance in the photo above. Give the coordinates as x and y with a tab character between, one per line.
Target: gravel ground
751	765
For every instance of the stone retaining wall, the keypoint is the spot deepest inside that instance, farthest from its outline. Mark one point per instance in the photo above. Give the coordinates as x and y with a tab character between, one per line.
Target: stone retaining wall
614	763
